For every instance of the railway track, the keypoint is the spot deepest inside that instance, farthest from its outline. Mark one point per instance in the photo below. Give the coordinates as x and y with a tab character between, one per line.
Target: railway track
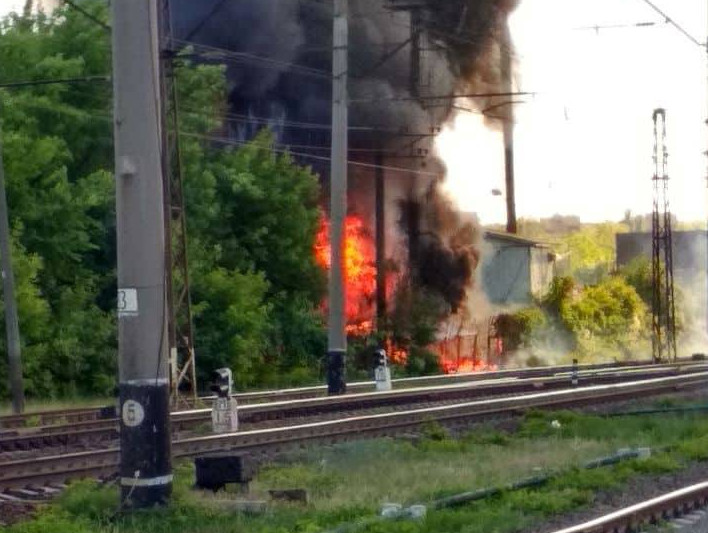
99	432
43	471
80	415
666	507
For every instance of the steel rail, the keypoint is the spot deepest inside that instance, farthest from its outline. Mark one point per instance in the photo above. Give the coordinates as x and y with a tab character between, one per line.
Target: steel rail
76	415
669	505
366	386
43	470
37	438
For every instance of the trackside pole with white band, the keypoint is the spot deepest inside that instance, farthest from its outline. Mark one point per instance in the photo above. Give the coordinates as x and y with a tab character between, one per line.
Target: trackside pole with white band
145	458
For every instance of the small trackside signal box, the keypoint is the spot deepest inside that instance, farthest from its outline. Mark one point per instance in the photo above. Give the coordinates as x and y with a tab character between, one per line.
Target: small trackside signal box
382	373
224	414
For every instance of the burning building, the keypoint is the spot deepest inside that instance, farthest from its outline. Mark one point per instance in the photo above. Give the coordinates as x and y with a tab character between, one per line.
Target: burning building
407	58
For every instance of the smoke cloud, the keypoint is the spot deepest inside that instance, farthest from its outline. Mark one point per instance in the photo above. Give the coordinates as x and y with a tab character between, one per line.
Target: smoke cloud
392	109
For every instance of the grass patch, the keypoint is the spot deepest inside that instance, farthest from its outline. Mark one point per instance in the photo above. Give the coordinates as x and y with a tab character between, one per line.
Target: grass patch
367	474
640	431
35	406
348	483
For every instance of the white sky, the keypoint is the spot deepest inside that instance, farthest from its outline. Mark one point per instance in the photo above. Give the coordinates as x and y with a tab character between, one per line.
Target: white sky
10	5
16	5
584	144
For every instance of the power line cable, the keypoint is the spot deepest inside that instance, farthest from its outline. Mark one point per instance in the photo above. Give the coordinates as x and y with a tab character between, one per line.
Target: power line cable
279	148
675	24
239	118
244	56
284	150
442	97
275	122
598	27
384	59
32	83
267	62
198	27
86	14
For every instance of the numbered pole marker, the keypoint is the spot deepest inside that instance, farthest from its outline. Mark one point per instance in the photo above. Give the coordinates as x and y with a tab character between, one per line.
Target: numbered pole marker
133	413
127	302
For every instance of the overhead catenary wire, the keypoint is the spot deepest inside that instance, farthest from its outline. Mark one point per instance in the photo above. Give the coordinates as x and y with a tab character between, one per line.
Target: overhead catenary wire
270	122
443	97
675	24
236	117
284	150
198	27
460	36
267	62
54	81
598	27
432	28
288	124
278	148
86	14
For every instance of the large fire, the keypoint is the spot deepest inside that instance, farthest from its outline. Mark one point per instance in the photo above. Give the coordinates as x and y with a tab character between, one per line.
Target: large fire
359	271
460	353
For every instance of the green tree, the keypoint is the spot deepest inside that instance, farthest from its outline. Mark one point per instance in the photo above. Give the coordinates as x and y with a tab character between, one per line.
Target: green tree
638	274
608	318
591	251
59	197
413	322
252	218
232	322
260	216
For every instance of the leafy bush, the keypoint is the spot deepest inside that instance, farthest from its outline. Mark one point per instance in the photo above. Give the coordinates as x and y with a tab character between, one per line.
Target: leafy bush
608	318
252	216
519	328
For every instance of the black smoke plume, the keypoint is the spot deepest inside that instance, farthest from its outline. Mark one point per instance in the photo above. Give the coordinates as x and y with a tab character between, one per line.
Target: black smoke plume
391	109
443	248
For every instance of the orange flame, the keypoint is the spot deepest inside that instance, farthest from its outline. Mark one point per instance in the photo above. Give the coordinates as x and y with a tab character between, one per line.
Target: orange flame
359	271
461	353
396	354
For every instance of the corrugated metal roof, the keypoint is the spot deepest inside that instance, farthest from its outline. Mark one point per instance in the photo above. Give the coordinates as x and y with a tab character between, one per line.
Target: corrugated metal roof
515	239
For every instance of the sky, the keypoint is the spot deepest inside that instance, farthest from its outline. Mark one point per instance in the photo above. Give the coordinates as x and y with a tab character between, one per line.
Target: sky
583	144
16	5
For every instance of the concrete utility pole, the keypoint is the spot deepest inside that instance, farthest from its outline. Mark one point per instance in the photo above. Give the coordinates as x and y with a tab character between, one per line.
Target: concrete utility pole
706	153
145	464
508	129
337	337
8	290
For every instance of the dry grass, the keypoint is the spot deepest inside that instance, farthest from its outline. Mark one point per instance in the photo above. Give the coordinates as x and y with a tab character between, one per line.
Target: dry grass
368	474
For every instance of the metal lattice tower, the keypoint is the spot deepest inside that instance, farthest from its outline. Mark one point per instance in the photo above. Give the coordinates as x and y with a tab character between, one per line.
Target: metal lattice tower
183	382
663	308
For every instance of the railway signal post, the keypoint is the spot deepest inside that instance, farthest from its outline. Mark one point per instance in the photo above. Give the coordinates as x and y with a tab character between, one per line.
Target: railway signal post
224	413
145	459
382	373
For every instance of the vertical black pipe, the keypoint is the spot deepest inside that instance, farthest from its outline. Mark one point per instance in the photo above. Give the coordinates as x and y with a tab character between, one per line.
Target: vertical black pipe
380	241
